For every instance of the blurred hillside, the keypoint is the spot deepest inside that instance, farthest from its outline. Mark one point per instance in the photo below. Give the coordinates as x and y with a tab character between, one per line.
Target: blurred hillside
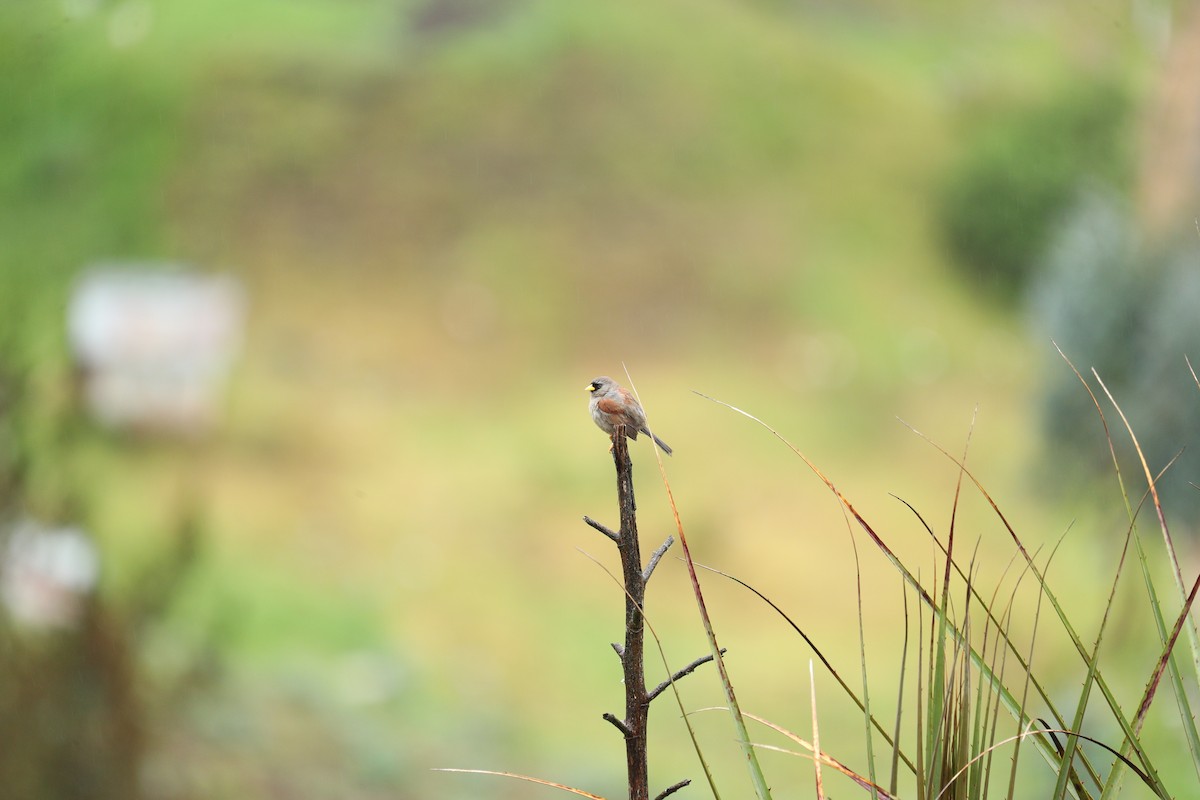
713	180
448	217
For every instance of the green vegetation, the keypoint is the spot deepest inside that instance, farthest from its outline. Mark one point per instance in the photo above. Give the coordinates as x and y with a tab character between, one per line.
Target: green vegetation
1017	182
88	138
448	217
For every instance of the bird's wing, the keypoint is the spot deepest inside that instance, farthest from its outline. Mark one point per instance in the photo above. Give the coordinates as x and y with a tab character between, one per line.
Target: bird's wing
611	406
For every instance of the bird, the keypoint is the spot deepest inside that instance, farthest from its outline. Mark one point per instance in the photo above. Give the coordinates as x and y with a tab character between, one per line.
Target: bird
613	405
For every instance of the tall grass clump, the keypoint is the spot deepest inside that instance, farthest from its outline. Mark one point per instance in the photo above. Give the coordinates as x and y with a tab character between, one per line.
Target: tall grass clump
981	705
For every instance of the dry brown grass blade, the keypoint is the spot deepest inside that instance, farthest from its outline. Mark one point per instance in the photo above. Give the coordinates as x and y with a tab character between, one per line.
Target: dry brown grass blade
830	761
526	778
812	689
813	752
1156	677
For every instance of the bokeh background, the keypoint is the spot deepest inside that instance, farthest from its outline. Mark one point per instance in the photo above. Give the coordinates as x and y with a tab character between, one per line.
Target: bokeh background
441	218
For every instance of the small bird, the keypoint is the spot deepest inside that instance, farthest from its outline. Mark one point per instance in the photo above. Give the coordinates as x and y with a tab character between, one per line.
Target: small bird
613	405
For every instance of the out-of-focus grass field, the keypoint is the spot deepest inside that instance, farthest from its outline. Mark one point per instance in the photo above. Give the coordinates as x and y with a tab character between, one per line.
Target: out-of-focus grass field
448	220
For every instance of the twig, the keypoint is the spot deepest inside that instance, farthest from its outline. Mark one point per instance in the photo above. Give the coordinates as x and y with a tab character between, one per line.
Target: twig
656	556
662	687
616	537
672	789
621	726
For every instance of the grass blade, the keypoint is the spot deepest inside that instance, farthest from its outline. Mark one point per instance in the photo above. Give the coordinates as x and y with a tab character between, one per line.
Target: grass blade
526	778
826	759
816	742
862	655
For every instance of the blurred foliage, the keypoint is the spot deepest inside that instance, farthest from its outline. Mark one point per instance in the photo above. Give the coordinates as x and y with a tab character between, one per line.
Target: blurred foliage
1014	184
663	163
75	703
88	147
1127	307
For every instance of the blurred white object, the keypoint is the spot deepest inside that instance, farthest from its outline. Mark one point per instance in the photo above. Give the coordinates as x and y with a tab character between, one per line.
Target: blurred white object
46	573
154	347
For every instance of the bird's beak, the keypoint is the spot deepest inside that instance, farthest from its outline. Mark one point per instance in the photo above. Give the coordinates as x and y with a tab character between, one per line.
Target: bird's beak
589	388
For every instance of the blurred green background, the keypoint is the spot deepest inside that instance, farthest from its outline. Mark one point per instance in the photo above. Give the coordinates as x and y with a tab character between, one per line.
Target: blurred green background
448	216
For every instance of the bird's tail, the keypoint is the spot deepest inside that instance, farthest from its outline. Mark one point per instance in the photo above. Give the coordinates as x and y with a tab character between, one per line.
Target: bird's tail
666	449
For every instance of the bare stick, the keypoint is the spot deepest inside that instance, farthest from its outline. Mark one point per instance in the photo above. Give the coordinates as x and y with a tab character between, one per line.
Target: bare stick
637	702
632	653
672	789
656	556
621	726
662	687
616	537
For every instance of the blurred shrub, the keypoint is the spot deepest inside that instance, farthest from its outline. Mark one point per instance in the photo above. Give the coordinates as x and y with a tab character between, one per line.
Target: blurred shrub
1128	308
1004	198
73	695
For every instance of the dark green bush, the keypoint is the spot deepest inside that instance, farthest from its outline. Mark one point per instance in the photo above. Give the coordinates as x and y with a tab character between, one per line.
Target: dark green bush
1003	199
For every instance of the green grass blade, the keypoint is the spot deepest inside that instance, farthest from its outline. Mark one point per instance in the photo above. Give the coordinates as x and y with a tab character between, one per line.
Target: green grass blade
896	754
922	792
862	655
